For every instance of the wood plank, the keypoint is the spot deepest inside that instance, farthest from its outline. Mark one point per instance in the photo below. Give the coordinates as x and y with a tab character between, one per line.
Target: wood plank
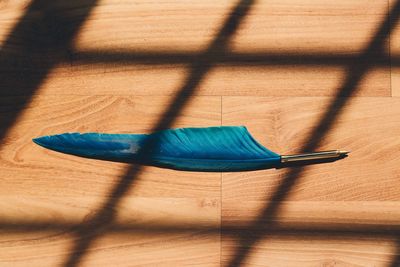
45	195
148	231
347	195
395	55
314	233
282	48
10	13
306	250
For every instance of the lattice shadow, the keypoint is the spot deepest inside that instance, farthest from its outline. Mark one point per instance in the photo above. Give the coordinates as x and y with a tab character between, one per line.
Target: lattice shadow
51	42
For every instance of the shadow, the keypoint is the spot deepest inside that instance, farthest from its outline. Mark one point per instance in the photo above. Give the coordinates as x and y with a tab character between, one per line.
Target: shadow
149	162
262	58
395	262
395	61
262	225
41	39
311	230
100	223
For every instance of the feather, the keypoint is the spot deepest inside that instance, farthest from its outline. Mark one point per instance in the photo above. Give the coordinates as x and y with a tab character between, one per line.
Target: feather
225	148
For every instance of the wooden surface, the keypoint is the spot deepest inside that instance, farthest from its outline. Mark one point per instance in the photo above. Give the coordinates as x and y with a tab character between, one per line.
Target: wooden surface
130	66
359	192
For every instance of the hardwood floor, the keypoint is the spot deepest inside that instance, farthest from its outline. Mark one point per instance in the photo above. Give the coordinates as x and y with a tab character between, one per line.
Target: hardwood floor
299	74
319	217
40	186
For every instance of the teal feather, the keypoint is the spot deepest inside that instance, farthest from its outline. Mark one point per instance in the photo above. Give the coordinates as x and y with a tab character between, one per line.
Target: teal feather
226	148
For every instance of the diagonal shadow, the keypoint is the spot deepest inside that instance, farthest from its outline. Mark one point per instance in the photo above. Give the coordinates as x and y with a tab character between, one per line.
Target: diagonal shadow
262	225
40	40
104	218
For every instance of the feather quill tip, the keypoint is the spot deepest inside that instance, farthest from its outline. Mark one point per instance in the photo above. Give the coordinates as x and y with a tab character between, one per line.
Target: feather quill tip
41	141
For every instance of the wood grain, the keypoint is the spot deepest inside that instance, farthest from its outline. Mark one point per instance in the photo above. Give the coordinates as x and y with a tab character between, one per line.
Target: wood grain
55	193
395	56
306	251
315	233
277	75
348	192
368	127
10	13
282	48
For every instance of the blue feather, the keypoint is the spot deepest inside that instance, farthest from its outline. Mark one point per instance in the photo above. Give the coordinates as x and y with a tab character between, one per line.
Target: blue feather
226	148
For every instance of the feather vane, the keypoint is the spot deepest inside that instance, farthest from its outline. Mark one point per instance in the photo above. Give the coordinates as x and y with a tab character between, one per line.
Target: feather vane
225	148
